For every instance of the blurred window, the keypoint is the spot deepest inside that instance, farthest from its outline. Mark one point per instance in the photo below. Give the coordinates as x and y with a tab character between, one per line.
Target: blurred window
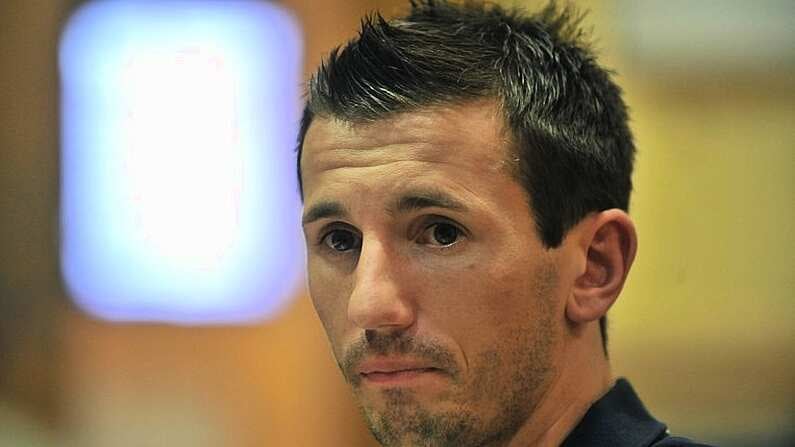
178	193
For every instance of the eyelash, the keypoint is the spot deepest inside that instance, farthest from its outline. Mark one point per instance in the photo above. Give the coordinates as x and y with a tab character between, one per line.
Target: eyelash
329	230
435	221
429	223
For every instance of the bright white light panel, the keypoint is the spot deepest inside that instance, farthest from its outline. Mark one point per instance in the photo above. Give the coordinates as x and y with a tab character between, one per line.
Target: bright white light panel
178	192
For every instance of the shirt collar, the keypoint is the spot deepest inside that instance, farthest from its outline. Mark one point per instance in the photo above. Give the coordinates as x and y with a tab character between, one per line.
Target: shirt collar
618	419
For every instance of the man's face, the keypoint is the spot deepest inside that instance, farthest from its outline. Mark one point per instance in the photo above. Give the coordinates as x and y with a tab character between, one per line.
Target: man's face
443	308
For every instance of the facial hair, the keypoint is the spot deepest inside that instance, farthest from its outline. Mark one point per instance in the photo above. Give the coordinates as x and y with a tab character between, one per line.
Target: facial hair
511	382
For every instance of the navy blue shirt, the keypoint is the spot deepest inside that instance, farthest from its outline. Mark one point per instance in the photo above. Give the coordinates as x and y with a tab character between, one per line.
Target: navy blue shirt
619	419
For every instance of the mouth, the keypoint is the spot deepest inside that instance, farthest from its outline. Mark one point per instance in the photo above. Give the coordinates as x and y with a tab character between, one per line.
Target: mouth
396	372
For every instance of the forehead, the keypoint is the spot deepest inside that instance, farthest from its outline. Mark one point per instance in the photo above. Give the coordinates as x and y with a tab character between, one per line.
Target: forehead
469	135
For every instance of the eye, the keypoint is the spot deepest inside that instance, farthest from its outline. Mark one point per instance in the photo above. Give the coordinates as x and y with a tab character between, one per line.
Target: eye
441	234
340	240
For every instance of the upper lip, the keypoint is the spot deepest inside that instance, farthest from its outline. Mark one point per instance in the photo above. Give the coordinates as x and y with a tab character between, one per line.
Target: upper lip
391	365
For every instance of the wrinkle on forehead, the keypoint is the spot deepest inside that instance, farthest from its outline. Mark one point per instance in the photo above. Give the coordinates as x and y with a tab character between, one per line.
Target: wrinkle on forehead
433	134
410	126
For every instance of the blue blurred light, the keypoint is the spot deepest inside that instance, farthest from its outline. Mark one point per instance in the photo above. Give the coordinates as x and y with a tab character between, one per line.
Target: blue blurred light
178	192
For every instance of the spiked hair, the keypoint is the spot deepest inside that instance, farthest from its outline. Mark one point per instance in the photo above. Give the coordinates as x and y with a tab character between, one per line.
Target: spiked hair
566	116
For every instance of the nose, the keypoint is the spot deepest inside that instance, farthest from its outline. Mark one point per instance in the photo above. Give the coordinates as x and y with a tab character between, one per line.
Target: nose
380	299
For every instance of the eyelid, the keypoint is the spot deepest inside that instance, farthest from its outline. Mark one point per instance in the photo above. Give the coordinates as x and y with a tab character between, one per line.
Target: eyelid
432	220
435	219
327	229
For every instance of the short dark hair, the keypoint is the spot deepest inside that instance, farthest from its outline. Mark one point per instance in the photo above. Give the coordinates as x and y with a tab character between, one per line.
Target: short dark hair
566	115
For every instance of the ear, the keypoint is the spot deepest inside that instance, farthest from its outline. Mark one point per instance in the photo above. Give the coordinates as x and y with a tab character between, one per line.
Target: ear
610	242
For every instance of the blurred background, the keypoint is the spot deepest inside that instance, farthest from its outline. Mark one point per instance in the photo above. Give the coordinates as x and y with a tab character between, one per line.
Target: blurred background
704	329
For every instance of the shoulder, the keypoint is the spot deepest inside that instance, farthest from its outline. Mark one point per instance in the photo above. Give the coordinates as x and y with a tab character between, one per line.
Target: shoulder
619	419
676	441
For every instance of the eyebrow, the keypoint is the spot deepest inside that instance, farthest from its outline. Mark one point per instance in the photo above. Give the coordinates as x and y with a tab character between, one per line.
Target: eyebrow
417	200
412	201
323	210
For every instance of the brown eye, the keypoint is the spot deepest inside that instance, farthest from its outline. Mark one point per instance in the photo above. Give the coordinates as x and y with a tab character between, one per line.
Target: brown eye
341	240
441	235
445	234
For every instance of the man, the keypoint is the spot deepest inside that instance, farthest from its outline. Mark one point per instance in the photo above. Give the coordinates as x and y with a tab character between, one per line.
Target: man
466	173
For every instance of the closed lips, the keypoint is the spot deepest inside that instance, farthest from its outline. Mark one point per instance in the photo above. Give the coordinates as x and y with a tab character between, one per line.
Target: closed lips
393	366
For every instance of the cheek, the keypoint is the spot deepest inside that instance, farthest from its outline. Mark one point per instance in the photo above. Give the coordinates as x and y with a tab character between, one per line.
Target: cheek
512	343
329	295
487	309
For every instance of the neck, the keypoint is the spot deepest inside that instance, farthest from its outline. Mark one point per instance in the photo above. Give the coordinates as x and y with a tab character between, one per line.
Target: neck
583	377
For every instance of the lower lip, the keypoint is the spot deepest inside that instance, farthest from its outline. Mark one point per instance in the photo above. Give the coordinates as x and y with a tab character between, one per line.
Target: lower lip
401	378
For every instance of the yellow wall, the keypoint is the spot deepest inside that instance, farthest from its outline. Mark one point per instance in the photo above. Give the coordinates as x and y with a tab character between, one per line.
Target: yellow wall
705	325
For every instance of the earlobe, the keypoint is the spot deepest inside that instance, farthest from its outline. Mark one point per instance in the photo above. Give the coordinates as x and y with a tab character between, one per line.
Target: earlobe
610	243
